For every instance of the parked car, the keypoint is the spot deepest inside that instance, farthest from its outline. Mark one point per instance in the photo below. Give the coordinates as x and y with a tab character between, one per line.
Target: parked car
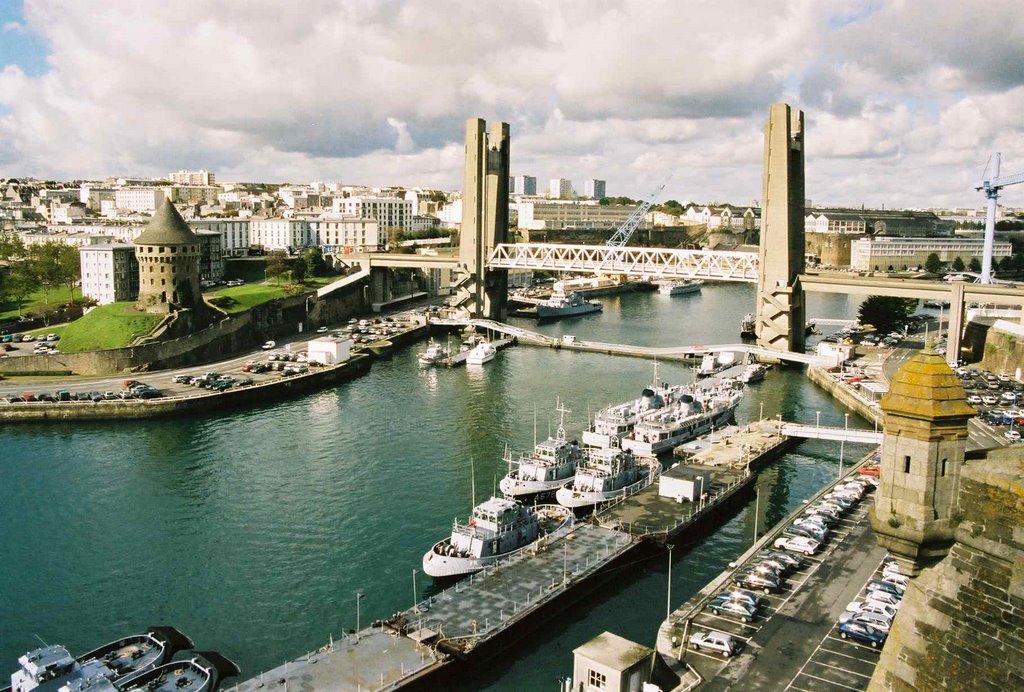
862	632
794	561
744	595
719	642
739	609
804	532
880	585
868	617
753	580
883	597
269	345
869	606
798	544
182	379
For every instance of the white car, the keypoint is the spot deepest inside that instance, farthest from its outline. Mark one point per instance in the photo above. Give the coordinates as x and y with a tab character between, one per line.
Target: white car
715	641
798	544
269	345
869	606
1011	435
974	399
322	330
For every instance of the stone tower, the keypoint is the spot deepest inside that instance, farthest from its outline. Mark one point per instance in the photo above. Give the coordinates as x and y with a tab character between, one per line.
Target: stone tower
925	420
484	218
780	302
168	254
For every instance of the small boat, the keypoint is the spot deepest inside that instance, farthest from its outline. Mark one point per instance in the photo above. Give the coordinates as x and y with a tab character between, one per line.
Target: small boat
686	419
481	353
497	529
52	667
434	355
752	373
748	327
202	673
668	287
552	463
566	305
607	474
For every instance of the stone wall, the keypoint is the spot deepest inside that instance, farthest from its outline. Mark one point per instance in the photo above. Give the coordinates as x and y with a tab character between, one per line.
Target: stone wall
1004	352
961	625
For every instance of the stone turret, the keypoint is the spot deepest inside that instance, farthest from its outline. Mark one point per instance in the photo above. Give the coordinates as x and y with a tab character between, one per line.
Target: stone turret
168	254
925	416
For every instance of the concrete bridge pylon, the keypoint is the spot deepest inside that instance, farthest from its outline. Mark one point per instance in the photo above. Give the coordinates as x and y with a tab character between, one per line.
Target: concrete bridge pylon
780	298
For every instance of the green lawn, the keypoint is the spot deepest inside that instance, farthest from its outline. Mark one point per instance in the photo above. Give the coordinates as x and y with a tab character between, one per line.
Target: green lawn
34	302
107	326
234	299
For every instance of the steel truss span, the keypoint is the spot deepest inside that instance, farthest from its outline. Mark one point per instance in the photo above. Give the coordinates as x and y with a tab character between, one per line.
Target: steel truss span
630	261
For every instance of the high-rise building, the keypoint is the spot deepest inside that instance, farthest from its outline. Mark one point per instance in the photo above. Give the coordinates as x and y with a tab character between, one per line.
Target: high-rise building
560	188
193	178
594	189
523	185
110	272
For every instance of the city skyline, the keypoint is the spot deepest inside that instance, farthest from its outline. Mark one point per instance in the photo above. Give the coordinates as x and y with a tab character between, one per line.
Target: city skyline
904	102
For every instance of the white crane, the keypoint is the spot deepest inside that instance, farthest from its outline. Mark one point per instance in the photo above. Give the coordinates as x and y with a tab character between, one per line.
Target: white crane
992	185
629	226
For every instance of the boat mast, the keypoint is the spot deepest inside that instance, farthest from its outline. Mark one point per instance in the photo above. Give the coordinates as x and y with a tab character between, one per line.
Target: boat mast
562	411
472	484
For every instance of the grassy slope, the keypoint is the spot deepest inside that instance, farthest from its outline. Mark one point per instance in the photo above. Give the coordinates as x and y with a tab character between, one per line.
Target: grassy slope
107	326
244	297
34	302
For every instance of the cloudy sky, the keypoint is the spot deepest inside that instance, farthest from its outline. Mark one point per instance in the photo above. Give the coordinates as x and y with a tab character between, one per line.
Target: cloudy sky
904	100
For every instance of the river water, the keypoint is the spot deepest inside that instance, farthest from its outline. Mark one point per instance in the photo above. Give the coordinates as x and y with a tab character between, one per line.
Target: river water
252	531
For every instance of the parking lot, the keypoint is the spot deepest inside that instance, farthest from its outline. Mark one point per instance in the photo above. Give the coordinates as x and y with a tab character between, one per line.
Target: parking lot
786	634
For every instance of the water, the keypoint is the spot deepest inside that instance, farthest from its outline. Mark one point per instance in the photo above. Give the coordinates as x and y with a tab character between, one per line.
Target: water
252	531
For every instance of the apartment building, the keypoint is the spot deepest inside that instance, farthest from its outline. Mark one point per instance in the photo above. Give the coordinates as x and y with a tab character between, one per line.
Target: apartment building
361	235
110	272
388	212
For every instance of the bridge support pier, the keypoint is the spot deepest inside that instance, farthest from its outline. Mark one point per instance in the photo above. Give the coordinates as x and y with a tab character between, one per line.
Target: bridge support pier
380	285
780	298
955	330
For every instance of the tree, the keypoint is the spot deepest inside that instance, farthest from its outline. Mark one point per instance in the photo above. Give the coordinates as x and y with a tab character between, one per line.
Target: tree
974	265
299	270
933	264
70	265
277	264
46	266
958	264
11	246
886	313
20	282
315	264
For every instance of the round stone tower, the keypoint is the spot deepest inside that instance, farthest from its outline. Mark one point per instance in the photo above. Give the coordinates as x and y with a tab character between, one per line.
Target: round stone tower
168	254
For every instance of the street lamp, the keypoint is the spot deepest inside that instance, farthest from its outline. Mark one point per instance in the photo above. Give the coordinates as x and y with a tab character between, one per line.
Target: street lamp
668	598
817	420
415	593
359	597
760	416
842	443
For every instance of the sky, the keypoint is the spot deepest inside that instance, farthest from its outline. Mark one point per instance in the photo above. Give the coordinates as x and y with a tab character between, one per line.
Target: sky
904	100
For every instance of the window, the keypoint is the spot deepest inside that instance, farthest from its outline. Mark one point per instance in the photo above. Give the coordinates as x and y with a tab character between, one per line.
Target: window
906	464
942	468
596	680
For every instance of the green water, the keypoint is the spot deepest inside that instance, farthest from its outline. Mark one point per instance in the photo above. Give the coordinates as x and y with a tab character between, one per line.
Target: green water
251	531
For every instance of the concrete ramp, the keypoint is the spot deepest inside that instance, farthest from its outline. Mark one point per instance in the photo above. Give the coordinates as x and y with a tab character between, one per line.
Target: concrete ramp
342	282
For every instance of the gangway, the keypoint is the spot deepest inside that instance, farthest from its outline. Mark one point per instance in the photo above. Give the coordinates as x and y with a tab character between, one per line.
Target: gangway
823	432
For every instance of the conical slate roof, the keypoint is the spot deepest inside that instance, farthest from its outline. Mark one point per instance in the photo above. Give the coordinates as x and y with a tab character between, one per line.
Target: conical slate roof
167	228
926	388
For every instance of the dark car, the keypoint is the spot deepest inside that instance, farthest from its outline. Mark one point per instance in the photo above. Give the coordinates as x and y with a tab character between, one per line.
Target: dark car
761	582
862	632
738	609
750	597
792	559
46	397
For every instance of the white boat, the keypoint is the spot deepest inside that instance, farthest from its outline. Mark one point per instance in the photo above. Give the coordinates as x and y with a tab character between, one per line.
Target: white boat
481	353
552	463
497	529
752	373
668	287
435	354
748	327
607	474
686	419
613	423
566	305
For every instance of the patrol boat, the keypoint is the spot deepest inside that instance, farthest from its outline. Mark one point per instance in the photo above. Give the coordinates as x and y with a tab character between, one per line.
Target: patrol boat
552	463
613	423
51	667
566	305
607	474
686	419
497	529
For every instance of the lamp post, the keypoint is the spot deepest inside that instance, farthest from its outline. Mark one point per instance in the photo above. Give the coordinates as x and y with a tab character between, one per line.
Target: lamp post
668	598
359	597
817	421
760	415
757	509
842	443
415	593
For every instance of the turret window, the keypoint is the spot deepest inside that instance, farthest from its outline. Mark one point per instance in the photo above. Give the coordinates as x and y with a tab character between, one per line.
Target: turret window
942	468
906	464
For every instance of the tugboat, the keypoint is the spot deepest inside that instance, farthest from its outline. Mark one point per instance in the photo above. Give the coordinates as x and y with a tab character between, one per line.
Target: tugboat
202	673
748	327
497	529
553	462
53	668
667	287
683	421
566	305
607	474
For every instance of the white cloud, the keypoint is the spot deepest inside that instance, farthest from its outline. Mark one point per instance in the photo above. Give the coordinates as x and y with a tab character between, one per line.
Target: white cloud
13	28
900	98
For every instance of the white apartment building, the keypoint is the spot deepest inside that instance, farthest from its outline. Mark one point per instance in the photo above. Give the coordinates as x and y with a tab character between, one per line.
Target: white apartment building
204	178
280	234
389	212
560	188
361	235
550	215
594	189
899	254
523	185
110	272
194	194
73	239
235	233
140	199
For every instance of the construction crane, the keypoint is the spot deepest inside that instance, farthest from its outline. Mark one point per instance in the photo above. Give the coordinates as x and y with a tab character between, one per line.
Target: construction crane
633	221
992	185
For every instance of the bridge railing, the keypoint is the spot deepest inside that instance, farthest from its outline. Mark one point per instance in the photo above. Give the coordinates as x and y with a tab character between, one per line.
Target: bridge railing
668	263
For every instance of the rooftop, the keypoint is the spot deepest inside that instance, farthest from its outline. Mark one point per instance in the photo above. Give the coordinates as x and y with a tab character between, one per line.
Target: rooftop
167	228
614	651
926	388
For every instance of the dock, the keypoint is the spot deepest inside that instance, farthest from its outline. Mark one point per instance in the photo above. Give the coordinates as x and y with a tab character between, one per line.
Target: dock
496	606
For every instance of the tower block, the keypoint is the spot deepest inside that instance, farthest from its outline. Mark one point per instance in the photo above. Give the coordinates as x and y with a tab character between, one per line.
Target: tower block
925	416
484	219
780	299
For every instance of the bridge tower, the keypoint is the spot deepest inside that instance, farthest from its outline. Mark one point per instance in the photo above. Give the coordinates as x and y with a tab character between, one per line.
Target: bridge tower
780	298
484	219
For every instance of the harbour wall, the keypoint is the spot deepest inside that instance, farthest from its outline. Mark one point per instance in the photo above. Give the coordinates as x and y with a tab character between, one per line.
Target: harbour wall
821	378
231	335
274	390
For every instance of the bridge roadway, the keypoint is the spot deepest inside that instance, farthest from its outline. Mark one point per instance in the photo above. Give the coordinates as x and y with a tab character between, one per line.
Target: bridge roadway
815	432
663	352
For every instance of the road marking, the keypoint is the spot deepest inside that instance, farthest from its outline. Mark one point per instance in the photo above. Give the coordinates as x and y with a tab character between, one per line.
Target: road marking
853	643
712	616
845	670
713	658
855	658
830	682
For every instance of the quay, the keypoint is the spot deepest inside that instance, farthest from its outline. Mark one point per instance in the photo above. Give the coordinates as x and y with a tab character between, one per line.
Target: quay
476	616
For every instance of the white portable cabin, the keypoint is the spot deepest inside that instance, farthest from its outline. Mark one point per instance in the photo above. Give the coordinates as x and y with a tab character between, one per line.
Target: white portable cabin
611	663
682	482
329	350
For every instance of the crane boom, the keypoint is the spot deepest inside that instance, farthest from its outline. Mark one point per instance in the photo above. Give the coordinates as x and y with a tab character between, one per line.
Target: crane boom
632	222
992	185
